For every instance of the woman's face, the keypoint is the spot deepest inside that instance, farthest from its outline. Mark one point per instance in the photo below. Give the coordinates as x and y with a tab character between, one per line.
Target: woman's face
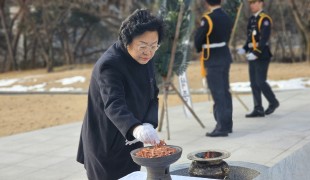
143	47
256	6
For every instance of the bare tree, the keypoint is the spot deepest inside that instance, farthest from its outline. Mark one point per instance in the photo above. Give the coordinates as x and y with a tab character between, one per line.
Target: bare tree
285	34
301	12
47	33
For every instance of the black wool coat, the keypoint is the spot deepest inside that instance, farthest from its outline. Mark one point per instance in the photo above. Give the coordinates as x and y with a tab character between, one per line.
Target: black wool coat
122	94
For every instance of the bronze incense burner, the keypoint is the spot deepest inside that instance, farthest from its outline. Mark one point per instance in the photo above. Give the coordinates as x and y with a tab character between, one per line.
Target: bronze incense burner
209	164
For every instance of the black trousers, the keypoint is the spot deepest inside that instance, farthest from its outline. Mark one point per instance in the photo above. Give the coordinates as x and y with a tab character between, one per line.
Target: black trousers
258	70
218	83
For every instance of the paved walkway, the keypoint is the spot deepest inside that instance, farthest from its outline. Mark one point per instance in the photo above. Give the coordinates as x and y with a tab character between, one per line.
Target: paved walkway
49	154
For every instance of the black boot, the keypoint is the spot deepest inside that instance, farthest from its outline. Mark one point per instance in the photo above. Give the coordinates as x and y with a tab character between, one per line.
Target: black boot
217	133
255	113
272	107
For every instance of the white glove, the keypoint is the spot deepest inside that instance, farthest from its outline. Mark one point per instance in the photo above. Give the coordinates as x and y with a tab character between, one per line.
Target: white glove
204	82
251	57
240	51
146	134
148	124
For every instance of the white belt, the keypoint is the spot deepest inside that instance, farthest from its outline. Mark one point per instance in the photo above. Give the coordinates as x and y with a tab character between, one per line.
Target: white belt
250	45
214	45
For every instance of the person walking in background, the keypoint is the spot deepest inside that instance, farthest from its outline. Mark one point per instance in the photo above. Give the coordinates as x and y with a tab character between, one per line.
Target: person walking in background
122	109
211	39
258	56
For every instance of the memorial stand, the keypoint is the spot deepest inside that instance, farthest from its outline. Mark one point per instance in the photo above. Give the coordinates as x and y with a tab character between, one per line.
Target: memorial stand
168	83
230	44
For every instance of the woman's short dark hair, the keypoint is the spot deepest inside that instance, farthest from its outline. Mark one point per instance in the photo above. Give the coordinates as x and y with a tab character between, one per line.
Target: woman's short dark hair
213	2
139	22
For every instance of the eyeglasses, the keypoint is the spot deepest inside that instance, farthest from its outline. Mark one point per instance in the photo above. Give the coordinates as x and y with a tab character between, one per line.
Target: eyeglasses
253	2
146	48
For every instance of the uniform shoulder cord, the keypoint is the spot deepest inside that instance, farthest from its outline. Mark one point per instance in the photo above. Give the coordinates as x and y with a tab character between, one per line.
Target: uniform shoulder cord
206	56
262	16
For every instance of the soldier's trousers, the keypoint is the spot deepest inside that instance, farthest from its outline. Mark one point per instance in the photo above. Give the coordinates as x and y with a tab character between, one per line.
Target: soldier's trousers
218	83
258	70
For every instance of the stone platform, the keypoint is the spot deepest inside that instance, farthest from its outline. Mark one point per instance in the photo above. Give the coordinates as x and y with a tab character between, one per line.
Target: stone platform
279	142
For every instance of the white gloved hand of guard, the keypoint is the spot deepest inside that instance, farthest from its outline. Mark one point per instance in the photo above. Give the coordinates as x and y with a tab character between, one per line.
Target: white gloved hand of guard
251	57
146	134
241	51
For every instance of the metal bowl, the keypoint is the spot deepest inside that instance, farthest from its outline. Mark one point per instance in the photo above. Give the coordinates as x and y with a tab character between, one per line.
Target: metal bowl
158	167
214	153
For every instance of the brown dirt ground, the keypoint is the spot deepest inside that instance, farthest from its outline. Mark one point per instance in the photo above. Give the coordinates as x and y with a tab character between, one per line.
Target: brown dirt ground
22	113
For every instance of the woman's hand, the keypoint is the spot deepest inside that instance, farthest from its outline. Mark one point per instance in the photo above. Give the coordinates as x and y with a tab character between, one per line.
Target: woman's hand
146	134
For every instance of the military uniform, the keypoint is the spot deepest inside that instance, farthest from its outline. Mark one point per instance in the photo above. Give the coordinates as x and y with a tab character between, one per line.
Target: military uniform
211	38
258	34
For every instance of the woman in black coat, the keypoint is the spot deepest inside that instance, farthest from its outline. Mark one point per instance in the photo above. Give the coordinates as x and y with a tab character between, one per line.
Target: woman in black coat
122	109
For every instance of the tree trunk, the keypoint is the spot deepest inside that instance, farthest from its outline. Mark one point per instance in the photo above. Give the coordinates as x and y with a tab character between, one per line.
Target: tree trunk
48	32
19	34
66	48
50	59
285	34
80	40
303	28
34	52
10	63
15	47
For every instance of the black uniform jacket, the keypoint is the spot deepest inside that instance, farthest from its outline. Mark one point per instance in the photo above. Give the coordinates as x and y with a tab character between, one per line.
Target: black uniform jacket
122	94
222	27
262	37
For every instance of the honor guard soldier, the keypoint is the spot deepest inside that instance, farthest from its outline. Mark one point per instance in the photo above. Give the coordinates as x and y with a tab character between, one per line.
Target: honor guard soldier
211	39
258	56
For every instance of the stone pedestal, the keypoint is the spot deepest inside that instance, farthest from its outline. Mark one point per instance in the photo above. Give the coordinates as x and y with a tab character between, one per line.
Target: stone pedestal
237	170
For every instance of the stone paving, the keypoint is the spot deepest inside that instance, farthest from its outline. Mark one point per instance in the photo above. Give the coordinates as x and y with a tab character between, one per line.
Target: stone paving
49	154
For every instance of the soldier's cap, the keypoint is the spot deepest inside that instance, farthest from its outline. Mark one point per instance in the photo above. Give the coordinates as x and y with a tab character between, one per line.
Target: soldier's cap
255	1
